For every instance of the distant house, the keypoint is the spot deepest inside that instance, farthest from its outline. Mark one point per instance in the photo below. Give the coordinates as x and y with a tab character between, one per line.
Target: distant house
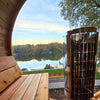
24	70
60	65
22	54
47	51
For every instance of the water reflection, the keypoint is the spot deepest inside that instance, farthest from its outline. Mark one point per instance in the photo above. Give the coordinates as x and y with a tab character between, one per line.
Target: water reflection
36	64
55	56
39	62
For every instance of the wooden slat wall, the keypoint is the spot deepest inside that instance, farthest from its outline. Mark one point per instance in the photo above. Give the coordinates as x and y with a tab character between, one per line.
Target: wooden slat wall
7	62
3	28
9	71
8	13
9	76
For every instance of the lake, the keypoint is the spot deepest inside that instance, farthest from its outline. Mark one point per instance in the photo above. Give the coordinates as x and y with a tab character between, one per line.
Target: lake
35	64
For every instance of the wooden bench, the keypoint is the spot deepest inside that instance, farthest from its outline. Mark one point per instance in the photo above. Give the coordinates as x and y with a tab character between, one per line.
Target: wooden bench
15	86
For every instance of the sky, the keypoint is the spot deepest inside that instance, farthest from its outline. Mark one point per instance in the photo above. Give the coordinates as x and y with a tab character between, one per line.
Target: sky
39	22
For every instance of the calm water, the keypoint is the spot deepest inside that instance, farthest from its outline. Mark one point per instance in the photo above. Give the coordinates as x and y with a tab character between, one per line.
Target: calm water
35	64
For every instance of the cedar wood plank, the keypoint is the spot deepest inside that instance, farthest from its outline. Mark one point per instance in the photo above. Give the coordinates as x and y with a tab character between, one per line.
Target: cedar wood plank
4	53
31	91
6	62
3	48
3	30
2	37
10	90
42	92
2	45
5	14
22	89
2	42
8	6
9	76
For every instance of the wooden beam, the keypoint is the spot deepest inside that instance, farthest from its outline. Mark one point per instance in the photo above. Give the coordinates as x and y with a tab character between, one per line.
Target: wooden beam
42	92
31	91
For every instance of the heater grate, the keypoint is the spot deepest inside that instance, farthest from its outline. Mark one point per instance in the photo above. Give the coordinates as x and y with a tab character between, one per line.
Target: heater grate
83	64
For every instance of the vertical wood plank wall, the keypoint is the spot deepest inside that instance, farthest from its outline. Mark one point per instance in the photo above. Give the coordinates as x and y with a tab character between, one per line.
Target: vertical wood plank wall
9	10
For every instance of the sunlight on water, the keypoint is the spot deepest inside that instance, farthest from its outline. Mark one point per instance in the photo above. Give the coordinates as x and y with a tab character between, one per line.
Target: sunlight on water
35	64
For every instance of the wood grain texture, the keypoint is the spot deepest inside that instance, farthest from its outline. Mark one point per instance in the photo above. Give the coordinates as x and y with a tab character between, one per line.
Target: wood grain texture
4	53
7	62
2	43
27	87
31	91
7	8
8	12
3	25
10	91
3	30
3	48
22	89
9	76
42	92
2	36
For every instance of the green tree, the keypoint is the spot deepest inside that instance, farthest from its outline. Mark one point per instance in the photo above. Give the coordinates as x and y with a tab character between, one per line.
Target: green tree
83	12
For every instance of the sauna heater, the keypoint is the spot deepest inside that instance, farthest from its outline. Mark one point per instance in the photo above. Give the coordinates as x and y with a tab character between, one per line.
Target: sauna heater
81	63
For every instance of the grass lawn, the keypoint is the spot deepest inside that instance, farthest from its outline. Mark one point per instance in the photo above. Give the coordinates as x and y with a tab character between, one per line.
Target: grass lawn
44	71
97	76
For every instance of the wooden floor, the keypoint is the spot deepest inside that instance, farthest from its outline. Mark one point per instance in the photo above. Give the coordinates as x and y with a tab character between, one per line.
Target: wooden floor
28	87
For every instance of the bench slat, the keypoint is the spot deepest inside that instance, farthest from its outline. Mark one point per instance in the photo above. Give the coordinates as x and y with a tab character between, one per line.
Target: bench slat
22	89
31	91
7	62
8	93
9	76
28	87
43	93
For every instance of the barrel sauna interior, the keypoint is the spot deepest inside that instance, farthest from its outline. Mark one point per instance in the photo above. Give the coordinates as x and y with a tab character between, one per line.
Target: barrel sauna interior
81	63
14	85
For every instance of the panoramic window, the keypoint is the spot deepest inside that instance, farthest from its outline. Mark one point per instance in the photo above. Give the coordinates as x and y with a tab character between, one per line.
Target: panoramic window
38	36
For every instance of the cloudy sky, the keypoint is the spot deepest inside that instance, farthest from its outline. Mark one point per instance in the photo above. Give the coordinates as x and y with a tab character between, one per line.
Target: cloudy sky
39	21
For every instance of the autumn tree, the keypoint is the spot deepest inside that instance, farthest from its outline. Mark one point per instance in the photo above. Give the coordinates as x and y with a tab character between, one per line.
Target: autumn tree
81	12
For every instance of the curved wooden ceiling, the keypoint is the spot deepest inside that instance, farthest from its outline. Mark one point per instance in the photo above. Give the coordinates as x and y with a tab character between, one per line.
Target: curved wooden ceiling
9	10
